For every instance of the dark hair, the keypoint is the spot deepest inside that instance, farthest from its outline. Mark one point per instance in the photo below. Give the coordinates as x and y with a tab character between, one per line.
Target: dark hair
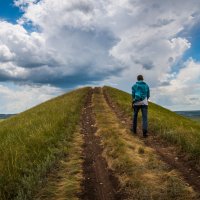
140	78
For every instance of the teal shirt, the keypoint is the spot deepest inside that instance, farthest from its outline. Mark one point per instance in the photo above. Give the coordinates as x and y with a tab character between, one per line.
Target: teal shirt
140	91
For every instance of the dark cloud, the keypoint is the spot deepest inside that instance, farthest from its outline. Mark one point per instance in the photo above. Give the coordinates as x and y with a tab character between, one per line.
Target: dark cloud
56	77
155	6
161	22
170	60
80	78
80	6
30	63
165	83
146	64
194	99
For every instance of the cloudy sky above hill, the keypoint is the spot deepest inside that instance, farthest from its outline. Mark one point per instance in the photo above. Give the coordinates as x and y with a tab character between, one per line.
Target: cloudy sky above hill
48	47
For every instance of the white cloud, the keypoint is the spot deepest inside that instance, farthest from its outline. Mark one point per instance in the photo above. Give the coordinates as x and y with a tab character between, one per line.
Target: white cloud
183	91
104	34
10	71
18	98
5	53
189	74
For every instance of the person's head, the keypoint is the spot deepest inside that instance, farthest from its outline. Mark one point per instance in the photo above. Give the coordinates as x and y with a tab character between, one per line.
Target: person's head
140	78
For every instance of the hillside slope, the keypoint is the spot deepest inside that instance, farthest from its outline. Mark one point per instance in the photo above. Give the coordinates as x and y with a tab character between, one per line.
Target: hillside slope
79	146
31	142
171	127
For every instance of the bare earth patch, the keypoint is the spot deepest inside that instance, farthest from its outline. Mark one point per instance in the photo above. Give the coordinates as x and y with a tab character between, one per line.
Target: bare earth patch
98	182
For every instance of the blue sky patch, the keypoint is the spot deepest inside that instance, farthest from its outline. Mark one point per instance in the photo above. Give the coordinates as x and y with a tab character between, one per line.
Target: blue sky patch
9	12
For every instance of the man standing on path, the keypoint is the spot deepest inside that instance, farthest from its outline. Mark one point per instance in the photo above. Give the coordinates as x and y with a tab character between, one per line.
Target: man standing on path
140	96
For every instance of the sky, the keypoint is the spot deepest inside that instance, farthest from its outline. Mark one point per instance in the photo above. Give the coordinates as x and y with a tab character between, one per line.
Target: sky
49	47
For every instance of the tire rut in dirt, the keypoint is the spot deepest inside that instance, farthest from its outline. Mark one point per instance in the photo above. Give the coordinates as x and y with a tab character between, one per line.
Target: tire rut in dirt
167	153
97	184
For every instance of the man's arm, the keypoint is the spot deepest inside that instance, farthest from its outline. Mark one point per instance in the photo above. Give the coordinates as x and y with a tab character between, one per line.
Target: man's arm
148	92
133	96
133	93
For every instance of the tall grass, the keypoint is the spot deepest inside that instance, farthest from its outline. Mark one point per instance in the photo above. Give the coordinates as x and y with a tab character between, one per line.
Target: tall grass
141	174
173	128
31	142
64	182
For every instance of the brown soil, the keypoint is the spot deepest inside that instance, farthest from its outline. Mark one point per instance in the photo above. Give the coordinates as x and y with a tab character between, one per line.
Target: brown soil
169	154
99	182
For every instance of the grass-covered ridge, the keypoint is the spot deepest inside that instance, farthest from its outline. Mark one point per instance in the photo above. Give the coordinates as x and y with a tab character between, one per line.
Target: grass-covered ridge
31	142
183	132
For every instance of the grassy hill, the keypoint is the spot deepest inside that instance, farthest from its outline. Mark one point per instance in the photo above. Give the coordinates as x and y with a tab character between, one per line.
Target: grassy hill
31	142
173	128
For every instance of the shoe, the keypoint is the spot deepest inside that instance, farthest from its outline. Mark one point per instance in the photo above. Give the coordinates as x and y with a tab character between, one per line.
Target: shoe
133	131
145	134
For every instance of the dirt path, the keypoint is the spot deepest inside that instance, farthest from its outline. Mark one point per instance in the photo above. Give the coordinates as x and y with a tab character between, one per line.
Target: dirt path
98	183
169	154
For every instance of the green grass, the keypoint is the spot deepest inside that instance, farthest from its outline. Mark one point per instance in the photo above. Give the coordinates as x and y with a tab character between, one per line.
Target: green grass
197	119
64	182
181	131
141	174
33	141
